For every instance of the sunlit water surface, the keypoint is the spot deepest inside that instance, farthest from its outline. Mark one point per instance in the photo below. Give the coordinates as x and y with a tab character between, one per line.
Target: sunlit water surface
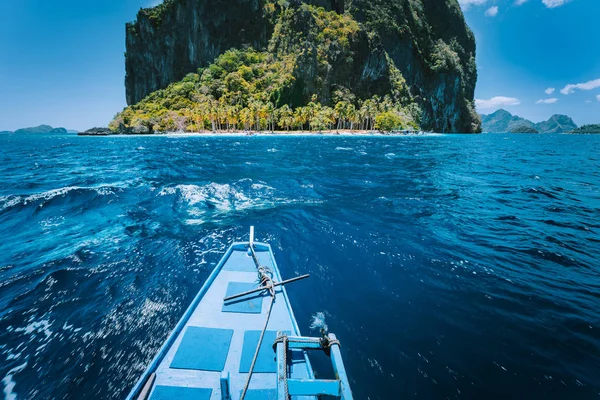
460	267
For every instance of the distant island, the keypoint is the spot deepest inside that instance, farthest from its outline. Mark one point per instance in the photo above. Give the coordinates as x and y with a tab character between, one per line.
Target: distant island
39	130
524	129
503	121
593	128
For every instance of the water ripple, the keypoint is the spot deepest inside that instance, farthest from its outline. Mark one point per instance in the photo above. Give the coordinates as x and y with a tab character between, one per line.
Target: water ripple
449	266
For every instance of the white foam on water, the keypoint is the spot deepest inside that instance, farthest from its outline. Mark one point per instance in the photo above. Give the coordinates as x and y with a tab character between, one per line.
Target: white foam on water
42	326
9	201
52	222
260	186
167	191
151	308
9	383
13	200
50	194
318	322
223	198
344	148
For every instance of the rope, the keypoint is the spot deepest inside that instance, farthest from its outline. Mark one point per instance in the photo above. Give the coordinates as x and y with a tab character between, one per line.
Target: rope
285	350
267	281
257	350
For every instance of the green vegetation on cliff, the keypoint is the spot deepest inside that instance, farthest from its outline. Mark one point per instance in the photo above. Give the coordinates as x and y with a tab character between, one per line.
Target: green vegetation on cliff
291	86
246	89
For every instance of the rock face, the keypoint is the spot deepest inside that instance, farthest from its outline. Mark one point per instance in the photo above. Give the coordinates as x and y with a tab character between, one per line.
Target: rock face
426	41
179	36
502	121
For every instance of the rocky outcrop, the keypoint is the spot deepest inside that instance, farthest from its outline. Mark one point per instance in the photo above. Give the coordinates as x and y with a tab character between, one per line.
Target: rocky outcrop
426	41
96	132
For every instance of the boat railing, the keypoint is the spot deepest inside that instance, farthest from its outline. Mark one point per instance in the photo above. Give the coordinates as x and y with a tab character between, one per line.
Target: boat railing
339	387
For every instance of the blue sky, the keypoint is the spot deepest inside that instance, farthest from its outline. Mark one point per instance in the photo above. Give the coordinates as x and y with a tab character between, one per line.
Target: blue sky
528	47
61	61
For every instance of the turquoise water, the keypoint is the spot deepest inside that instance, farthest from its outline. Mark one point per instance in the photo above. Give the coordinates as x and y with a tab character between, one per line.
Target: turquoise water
450	267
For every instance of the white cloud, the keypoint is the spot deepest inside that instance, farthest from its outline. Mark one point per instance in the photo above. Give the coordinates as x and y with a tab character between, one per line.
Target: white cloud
598	97
547	101
465	4
497	102
570	88
553	3
549	91
492	11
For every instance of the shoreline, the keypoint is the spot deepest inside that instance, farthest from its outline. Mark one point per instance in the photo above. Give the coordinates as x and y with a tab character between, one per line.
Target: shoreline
340	133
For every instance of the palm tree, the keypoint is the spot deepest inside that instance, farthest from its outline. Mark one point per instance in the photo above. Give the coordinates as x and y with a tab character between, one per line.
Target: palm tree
213	113
286	117
312	109
270	115
353	115
341	113
246	118
254	107
368	111
300	117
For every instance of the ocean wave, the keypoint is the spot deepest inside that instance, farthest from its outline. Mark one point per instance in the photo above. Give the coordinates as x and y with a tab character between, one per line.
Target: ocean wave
225	197
11	201
9	383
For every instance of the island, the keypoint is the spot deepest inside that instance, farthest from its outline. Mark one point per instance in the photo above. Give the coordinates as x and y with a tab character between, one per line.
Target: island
313	65
524	129
39	130
502	121
592	128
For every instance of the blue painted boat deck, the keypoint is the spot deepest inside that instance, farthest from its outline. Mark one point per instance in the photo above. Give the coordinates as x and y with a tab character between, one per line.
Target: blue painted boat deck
214	337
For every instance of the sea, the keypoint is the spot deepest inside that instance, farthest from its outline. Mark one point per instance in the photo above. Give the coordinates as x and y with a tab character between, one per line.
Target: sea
449	266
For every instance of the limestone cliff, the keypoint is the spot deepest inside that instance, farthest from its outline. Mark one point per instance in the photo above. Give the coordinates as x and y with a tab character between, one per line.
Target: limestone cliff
178	36
421	50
